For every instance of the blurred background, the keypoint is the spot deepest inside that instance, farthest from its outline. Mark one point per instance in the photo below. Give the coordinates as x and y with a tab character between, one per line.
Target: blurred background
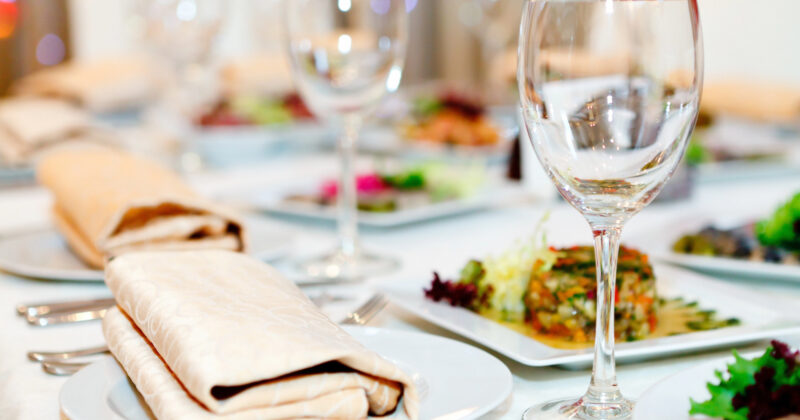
450	39
184	69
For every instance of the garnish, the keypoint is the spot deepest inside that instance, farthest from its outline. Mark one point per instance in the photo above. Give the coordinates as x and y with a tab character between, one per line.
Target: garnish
764	388
783	228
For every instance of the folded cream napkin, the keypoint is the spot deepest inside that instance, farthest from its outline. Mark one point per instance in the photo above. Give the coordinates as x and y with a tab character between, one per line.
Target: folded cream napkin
108	202
753	100
262	74
29	126
216	334
100	85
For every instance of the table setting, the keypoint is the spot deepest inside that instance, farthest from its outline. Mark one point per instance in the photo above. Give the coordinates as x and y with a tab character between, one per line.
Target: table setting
299	232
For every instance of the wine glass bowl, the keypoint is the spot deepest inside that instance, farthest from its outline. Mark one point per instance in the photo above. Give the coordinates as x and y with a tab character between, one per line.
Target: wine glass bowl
609	92
345	56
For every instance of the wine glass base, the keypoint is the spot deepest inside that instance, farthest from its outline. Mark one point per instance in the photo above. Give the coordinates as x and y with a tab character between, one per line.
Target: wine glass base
338	266
579	409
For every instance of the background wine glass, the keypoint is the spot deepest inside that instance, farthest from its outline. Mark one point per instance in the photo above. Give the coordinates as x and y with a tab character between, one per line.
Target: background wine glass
181	34
609	92
346	55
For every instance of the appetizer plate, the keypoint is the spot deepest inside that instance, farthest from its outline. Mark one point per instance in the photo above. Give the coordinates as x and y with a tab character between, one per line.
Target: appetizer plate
102	391
669	398
44	254
662	250
761	317
274	202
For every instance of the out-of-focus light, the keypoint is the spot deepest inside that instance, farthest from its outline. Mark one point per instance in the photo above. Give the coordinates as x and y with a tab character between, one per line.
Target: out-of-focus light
410	5
8	18
380	7
186	10
50	50
384	43
345	43
393	81
345	5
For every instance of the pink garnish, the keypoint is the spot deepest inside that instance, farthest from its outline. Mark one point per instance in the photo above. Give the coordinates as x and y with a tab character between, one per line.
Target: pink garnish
365	184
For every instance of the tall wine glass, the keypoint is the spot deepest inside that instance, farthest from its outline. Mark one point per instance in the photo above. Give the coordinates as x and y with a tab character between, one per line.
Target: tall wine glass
609	92
346	55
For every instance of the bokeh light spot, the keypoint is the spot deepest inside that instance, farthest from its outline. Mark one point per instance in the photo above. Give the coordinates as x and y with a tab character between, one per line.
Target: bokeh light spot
50	50
410	5
381	7
8	18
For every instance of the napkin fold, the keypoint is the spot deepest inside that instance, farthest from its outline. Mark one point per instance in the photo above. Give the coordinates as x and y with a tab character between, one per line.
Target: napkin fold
758	101
99	85
216	334
108	202
30	126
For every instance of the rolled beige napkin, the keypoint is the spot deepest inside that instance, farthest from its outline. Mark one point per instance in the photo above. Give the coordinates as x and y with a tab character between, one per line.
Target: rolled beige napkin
215	334
108	202
99	85
264	74
29	126
753	100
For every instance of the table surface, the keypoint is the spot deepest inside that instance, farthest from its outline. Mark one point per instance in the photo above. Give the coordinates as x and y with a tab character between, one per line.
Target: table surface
28	393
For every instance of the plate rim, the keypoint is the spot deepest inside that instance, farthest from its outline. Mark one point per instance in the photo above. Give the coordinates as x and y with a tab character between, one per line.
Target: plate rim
355	331
577	358
90	275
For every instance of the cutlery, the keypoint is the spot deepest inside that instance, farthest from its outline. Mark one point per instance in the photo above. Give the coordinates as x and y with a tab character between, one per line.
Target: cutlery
62	368
96	309
39	309
53	356
367	311
67	318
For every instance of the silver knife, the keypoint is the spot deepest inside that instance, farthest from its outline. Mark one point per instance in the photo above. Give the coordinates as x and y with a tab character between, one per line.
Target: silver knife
39	309
66	318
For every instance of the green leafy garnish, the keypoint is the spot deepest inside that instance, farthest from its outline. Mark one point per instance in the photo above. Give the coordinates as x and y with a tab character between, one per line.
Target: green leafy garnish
783	228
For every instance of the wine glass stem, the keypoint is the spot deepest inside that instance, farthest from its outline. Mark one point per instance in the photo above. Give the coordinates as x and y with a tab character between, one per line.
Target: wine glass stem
348	195
603	388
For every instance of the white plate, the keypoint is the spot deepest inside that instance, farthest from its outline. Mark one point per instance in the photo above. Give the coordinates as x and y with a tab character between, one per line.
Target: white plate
761	317
274	202
102	391
225	146
662	250
44	254
669	398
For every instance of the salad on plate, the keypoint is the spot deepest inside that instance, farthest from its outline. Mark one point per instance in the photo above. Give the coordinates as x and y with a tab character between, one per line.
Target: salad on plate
775	239
764	388
549	294
406	188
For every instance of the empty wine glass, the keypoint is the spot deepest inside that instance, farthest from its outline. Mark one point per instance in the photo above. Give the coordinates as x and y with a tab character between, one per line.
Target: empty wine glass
346	55
609	91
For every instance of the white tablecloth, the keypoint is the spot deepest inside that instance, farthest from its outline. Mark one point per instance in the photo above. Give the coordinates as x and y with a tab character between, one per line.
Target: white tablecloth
28	393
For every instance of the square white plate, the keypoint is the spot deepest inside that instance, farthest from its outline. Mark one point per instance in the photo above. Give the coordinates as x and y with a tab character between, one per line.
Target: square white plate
273	202
662	250
761	317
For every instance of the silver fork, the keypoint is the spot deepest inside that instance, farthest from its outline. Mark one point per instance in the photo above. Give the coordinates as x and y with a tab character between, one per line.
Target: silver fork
57	363
367	311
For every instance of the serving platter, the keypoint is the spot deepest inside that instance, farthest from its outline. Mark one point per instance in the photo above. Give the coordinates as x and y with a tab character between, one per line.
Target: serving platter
762	316
102	391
